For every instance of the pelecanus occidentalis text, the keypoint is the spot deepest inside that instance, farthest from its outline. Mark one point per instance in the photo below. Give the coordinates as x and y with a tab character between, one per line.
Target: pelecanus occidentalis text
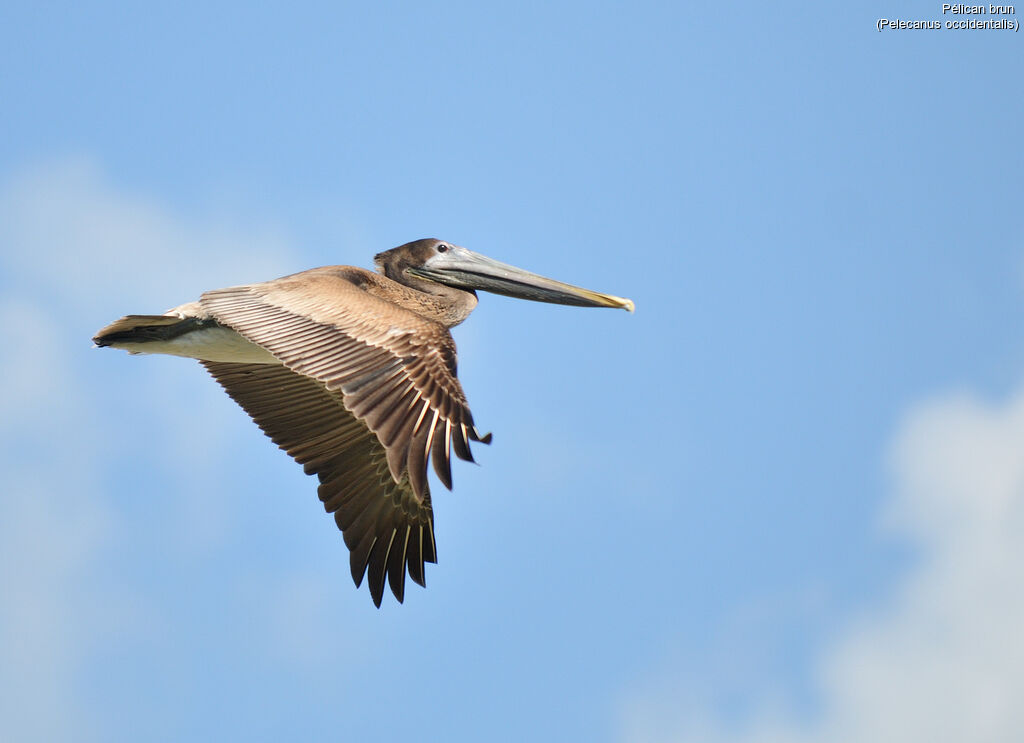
353	374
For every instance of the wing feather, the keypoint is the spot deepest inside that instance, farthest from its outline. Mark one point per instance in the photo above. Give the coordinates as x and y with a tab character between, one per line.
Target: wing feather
378	565
396	562
312	424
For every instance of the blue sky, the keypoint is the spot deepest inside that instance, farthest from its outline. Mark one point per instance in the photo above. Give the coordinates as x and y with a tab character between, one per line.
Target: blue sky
778	503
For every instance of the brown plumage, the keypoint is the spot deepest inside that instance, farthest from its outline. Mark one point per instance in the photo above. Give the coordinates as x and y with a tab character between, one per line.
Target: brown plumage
354	375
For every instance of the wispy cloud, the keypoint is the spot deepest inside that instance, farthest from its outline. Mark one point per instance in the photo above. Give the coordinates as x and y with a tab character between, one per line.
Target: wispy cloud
942	658
74	237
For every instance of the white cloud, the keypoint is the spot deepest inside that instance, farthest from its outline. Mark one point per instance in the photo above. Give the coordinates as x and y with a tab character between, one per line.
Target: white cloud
77	253
68	232
943	659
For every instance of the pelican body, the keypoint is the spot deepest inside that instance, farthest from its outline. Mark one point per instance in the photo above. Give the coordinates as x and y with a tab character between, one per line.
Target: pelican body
353	373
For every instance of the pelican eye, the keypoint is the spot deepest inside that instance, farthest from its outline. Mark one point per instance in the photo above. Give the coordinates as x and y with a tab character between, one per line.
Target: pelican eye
442	248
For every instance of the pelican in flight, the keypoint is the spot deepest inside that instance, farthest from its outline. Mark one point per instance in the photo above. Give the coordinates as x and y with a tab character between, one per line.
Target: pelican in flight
353	373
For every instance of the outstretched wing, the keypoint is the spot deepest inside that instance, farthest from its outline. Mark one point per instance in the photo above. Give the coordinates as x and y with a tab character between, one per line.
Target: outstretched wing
386	525
365	396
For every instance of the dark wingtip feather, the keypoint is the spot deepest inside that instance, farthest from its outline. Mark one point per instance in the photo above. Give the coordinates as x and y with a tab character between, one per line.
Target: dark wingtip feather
396	564
359	557
461	446
429	547
358	569
441	457
378	567
414	556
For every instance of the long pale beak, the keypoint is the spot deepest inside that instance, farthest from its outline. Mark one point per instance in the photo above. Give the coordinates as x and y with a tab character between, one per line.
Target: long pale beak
465	269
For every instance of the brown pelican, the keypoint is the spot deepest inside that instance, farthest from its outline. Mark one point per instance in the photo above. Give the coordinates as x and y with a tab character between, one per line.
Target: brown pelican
353	374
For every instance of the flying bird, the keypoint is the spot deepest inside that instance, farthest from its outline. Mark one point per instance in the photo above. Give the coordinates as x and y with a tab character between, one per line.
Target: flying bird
353	373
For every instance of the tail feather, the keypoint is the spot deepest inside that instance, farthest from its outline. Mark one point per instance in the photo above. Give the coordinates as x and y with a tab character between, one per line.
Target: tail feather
190	337
133	329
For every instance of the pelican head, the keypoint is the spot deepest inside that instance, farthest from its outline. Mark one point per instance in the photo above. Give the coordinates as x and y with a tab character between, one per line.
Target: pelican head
454	266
